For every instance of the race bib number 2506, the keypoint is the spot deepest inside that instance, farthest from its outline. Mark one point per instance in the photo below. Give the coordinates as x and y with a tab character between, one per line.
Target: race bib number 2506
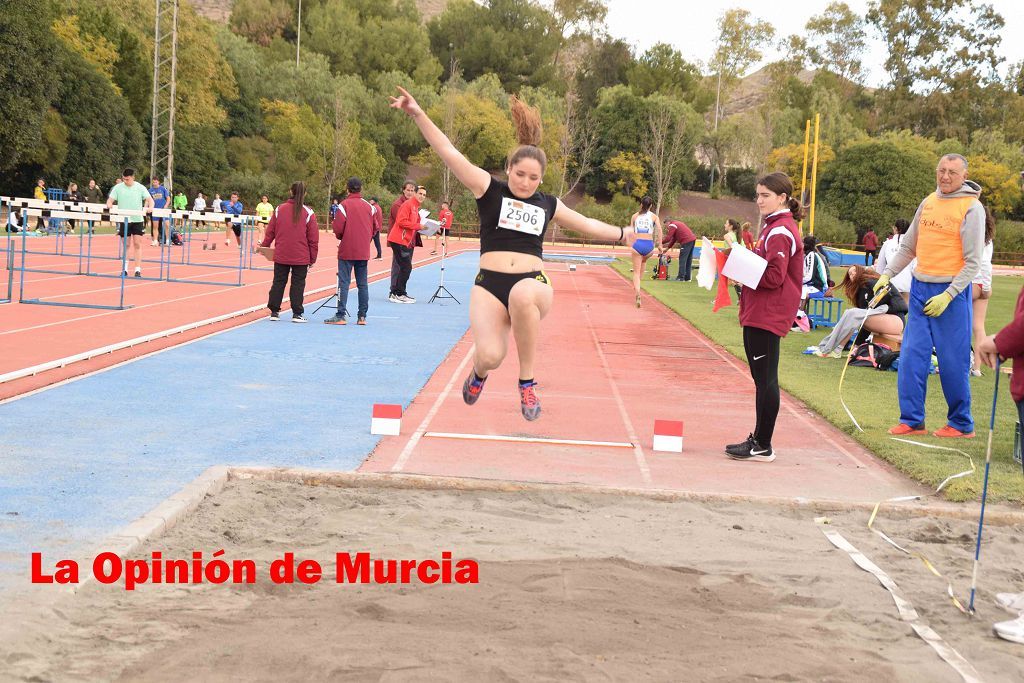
521	217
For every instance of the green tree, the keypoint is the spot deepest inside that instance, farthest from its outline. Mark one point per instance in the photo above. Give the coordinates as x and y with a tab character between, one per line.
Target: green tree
740	39
836	41
626	174
361	38
673	129
28	78
103	136
1000	185
619	118
52	151
200	158
574	18
605	62
871	183
516	39
663	69
261	20
790	160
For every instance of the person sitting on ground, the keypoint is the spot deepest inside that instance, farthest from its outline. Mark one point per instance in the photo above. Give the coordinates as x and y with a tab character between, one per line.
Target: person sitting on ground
1009	343
858	285
14	221
816	279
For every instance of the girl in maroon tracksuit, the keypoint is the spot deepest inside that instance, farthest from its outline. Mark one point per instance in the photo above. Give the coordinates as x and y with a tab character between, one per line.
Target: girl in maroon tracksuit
296	236
767	313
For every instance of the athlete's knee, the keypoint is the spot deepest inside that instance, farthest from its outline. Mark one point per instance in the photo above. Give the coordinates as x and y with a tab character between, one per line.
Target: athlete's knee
488	358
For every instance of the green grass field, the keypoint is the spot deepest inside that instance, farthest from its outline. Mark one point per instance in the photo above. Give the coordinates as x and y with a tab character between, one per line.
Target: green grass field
871	395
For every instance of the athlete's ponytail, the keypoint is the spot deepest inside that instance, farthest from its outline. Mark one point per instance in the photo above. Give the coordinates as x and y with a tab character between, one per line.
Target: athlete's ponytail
298	192
645	204
526	120
779	183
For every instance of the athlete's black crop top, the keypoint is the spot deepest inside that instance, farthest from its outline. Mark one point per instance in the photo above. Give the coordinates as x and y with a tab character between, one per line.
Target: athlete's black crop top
517	212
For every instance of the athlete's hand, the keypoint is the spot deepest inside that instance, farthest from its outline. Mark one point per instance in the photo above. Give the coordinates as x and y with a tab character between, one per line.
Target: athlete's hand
406	103
937	305
883	280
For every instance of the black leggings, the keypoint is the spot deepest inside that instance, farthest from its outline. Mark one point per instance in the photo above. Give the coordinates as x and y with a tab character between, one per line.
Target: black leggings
762	349
296	292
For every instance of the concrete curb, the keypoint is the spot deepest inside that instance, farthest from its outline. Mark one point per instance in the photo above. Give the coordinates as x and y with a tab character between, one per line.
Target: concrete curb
163	517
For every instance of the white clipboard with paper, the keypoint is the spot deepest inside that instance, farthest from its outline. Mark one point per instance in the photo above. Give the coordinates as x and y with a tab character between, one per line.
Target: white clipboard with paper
745	267
430	226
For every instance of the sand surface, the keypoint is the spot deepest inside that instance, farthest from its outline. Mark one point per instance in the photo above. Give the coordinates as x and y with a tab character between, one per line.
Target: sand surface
572	587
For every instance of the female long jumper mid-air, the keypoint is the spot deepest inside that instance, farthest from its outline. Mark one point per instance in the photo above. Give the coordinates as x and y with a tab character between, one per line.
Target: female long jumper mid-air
512	293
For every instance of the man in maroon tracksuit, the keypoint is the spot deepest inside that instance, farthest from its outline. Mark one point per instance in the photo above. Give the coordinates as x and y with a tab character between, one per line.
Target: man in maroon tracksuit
677	232
408	190
296	237
870	247
354	224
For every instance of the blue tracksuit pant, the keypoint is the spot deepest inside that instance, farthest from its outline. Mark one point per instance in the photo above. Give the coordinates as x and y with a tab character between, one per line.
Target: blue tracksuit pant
950	335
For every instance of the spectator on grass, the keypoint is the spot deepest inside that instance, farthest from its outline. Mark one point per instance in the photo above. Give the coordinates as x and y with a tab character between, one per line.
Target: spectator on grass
947	236
816	279
199	204
748	236
354	225
888	317
888	251
870	247
217	204
678	232
1009	344
732	227
294	232
180	203
981	291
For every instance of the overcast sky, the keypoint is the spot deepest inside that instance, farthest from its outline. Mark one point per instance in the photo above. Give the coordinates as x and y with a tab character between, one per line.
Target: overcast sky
692	27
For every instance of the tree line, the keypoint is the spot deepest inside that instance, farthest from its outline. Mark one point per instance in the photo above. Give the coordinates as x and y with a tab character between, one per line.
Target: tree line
76	88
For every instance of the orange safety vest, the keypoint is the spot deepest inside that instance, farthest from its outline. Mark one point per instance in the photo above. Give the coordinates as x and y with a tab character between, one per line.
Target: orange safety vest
940	251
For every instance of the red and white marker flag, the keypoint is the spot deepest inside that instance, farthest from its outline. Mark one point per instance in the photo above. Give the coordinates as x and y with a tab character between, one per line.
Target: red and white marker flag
386	420
668	436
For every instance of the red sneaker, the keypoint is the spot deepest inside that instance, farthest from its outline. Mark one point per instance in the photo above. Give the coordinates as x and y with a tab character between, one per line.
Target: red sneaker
949	432
905	430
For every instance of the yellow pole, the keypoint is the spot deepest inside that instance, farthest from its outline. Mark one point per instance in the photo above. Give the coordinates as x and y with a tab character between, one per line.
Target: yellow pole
814	169
803	173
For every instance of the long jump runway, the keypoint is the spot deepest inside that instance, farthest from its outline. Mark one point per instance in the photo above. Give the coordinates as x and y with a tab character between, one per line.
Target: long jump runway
80	460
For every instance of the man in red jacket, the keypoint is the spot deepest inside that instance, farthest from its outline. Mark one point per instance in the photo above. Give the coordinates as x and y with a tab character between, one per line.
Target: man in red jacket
354	224
870	247
679	233
408	190
402	239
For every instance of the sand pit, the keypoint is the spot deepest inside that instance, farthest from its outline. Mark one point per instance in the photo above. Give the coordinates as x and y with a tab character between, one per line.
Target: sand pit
572	586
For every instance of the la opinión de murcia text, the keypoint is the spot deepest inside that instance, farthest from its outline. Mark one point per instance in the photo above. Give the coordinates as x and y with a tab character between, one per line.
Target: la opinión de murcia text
109	568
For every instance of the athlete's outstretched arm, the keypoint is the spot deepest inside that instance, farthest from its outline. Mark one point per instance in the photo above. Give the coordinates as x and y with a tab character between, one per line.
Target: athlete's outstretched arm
473	177
589	226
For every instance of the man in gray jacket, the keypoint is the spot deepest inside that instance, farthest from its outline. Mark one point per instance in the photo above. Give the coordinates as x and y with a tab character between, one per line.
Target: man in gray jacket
947	236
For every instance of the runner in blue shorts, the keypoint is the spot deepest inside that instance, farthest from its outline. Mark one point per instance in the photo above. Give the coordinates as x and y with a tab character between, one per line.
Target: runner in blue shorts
647	226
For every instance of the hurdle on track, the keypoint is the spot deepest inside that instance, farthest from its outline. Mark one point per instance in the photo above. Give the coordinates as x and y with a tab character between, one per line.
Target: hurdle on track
8	252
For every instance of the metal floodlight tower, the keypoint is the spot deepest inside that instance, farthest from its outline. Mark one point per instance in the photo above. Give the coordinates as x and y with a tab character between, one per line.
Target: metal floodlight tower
165	71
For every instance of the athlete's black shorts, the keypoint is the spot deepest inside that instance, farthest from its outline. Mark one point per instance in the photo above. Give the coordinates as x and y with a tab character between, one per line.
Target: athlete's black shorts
500	284
133	229
237	229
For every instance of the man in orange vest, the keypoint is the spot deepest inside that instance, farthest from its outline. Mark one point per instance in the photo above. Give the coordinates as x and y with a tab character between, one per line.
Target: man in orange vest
947	237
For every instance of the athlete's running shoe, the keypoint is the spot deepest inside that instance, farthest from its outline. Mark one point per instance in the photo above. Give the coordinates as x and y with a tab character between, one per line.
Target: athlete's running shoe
299	319
336	320
638	301
275	316
1011	602
472	388
741	447
1012	630
752	451
529	401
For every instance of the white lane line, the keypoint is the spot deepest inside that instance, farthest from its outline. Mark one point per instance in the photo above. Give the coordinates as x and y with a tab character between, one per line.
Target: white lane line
638	451
527	439
403	457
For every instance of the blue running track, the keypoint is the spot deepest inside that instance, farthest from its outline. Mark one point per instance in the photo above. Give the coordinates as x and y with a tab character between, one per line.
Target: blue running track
79	461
